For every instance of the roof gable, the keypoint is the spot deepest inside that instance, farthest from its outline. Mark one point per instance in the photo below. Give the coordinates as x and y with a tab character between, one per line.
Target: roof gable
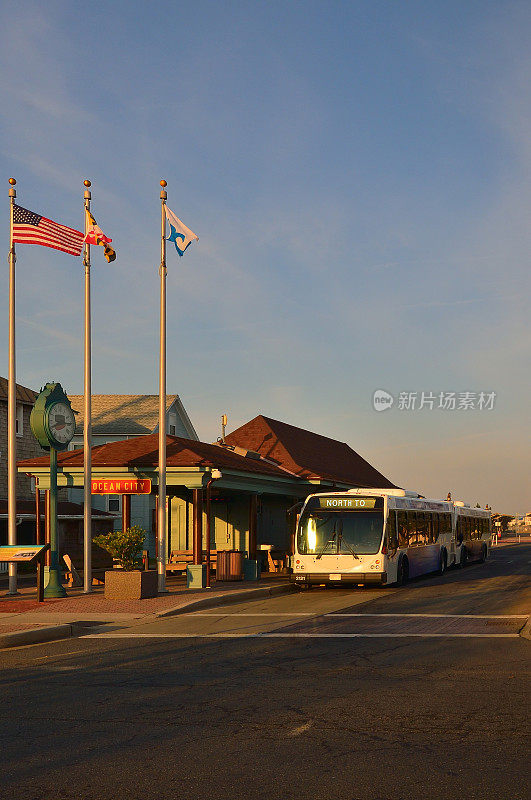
24	395
307	454
128	414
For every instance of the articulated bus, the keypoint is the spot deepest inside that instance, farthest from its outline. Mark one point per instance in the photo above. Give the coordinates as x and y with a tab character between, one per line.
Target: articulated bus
384	536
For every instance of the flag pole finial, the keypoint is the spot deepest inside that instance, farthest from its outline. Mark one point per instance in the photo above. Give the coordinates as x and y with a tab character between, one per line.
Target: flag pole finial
163	183
12	181
87	183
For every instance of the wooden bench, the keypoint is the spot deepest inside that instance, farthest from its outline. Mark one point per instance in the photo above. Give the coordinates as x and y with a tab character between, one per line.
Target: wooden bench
180	559
73	559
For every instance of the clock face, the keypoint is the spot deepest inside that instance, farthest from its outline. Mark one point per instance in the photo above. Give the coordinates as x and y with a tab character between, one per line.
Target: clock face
61	422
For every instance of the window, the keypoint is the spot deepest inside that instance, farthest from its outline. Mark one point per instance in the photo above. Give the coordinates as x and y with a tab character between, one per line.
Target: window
435	525
403	535
113	503
19	420
172	424
392	541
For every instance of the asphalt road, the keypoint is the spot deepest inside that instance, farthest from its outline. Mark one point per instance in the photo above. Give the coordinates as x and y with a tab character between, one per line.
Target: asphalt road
388	694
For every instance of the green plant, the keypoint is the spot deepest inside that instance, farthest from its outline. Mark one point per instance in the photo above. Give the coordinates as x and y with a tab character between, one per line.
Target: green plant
124	546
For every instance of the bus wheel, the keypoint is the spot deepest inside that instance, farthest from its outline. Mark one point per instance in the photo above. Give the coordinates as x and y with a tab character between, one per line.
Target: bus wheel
443	561
403	572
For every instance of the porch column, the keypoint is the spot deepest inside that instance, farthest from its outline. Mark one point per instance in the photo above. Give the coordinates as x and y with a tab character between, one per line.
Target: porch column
253	519
47	524
37	514
197	509
126	511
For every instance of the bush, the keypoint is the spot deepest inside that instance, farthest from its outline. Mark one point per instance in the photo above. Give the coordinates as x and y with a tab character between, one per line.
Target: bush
124	546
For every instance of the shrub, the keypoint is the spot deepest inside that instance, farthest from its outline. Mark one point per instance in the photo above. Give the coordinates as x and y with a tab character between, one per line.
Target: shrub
124	546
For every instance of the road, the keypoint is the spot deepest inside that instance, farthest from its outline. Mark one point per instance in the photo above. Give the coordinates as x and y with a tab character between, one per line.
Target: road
372	694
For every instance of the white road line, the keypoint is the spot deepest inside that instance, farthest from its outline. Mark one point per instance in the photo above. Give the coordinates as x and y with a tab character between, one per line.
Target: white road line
340	614
300	636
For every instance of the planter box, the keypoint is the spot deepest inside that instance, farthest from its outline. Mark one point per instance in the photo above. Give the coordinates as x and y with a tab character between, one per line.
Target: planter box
136	585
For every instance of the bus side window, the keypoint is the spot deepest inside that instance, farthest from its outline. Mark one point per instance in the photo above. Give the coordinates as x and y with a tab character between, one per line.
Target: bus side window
412	528
459	530
435	523
431	528
392	540
422	527
403	538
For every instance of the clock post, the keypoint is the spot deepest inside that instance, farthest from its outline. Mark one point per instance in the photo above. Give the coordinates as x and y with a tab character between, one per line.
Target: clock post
54	587
53	424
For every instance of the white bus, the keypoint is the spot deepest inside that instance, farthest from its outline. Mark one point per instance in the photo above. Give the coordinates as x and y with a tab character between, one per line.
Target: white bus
383	536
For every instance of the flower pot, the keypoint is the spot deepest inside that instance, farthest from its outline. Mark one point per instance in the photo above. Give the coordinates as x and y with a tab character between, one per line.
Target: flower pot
135	585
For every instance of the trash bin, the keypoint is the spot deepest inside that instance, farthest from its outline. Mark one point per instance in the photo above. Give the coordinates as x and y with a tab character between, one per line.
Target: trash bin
229	565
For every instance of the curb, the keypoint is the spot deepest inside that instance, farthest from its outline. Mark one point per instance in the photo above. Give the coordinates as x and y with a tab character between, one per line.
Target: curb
231	597
37	635
525	632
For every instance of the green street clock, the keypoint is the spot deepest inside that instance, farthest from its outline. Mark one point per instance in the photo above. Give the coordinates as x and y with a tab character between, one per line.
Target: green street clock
52	419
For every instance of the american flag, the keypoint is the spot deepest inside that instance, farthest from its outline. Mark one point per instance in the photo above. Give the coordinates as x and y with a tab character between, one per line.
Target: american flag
31	228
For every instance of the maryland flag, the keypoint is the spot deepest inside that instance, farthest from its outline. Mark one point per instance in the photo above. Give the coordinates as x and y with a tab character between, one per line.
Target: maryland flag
95	235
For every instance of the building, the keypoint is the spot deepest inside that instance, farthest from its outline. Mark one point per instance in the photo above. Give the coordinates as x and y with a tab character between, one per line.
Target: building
320	460
118	417
251	500
27	445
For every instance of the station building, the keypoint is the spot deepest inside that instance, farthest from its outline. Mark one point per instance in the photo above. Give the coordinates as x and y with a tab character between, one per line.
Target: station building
266	467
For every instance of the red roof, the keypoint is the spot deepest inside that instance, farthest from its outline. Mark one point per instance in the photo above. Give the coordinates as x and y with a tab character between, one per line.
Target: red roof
307	454
143	451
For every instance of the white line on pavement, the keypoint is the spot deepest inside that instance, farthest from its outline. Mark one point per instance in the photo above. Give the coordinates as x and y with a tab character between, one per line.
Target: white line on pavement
340	614
300	635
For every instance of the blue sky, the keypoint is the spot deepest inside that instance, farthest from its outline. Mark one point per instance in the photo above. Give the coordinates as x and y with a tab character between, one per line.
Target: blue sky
358	175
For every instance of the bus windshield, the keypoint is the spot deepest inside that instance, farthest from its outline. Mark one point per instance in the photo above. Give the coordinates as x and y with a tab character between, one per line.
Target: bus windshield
332	533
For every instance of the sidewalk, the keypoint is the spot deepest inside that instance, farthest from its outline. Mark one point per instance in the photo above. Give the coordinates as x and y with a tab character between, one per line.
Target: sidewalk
25	621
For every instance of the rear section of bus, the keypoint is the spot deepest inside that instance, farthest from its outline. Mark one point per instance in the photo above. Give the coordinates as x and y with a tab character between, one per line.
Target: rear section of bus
340	539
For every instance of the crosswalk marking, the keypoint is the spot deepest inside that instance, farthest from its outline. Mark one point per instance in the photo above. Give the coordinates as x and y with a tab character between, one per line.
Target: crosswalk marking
300	636
341	614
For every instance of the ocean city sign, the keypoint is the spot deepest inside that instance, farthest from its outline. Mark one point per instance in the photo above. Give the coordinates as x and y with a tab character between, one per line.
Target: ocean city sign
120	486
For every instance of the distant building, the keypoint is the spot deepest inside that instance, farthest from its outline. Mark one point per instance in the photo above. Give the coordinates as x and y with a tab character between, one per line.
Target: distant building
122	416
27	445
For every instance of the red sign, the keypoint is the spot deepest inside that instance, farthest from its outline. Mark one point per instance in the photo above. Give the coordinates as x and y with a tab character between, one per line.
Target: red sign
121	486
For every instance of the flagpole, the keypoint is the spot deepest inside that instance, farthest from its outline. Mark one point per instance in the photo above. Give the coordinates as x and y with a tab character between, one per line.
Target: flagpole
87	413
161	528
12	402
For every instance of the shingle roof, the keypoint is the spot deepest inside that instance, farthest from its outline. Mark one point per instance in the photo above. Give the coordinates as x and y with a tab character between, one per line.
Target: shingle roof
142	451
24	395
129	414
307	454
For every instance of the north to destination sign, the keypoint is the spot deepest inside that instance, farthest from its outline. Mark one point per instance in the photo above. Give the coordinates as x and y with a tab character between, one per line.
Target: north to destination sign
120	486
348	503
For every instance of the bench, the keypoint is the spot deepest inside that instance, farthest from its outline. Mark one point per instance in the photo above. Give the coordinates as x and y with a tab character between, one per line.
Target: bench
180	559
73	559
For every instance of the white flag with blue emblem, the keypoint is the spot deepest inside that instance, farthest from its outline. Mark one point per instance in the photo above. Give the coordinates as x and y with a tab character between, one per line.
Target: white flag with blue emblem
180	235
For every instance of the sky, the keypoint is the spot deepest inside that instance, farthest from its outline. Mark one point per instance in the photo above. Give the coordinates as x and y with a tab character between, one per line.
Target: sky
358	175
